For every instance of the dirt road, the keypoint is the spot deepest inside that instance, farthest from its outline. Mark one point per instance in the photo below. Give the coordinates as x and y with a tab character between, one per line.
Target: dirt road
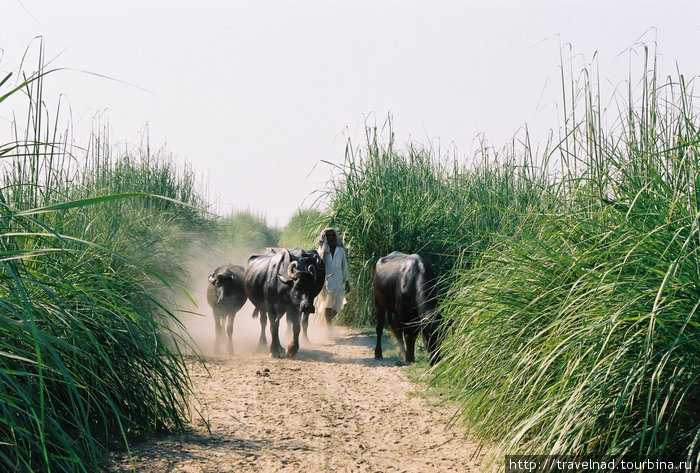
331	408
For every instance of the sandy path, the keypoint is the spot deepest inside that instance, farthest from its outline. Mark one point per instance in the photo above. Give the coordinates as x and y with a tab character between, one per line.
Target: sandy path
331	408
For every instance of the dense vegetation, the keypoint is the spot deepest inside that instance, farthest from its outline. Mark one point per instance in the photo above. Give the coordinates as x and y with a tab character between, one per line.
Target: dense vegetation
411	200
570	280
99	249
580	333
87	358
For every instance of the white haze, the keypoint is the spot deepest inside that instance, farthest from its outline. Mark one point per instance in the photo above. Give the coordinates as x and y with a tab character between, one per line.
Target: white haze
256	94
199	260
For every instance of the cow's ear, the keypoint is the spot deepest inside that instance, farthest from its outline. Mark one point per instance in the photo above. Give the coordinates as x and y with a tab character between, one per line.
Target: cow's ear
287	281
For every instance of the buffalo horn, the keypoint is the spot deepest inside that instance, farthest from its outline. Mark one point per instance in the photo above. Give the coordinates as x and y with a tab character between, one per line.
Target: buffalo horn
293	267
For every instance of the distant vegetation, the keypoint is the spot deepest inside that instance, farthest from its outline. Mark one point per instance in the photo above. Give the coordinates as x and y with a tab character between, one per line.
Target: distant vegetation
240	234
570	280
302	230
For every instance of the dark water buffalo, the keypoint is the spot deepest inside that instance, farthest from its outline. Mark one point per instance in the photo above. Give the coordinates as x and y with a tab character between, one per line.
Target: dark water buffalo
308	258
226	296
254	284
282	282
404	289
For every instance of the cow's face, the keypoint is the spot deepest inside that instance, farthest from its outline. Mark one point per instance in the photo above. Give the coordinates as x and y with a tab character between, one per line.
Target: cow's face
302	288
301	292
221	282
315	266
303	284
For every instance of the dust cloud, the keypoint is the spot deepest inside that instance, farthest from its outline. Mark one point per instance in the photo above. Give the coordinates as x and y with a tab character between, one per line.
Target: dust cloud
196	317
246	330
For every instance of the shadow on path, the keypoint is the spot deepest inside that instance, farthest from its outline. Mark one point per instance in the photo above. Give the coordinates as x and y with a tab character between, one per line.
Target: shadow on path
173	451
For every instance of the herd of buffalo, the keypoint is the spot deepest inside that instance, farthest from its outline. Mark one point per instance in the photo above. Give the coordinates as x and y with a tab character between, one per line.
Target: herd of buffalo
283	281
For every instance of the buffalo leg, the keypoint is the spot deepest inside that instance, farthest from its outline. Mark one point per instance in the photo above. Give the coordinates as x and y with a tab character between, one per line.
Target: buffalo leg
293	346
290	324
410	334
218	330
397	333
229	333
276	350
305	326
379	321
262	341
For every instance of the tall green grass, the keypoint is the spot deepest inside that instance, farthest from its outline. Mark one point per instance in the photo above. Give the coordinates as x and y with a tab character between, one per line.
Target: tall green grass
417	201
570	279
86	353
580	333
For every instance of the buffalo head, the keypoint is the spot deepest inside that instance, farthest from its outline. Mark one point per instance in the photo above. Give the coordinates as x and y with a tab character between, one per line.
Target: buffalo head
221	281
301	285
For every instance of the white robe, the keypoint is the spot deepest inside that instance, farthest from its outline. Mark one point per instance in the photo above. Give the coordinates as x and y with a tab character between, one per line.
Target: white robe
333	292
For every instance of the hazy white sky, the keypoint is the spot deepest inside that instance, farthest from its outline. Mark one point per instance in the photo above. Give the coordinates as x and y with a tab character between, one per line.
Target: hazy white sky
254	94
